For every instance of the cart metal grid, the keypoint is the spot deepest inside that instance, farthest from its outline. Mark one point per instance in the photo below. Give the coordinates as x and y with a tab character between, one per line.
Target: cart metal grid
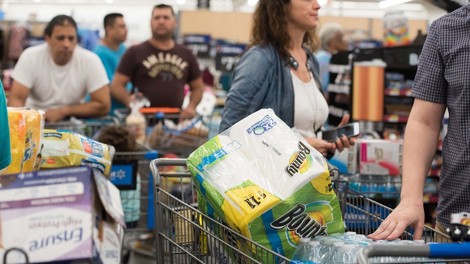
182	141
138	163
85	127
186	235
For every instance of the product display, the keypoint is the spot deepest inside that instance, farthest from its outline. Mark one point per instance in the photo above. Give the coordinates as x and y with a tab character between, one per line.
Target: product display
380	157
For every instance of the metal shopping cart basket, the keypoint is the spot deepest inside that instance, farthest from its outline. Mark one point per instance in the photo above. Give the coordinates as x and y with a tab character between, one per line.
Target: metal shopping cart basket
167	135
86	127
184	234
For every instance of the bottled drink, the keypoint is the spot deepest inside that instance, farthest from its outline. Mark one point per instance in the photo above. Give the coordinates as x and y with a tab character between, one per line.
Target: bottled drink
301	252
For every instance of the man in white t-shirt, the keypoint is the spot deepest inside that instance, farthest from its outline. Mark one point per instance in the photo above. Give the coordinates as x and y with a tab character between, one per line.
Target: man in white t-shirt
56	76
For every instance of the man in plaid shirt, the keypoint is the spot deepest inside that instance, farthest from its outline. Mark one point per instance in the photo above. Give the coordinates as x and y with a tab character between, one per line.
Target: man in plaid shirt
442	81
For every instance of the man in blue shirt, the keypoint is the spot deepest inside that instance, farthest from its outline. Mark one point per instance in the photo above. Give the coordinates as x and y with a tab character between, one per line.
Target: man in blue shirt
5	154
111	48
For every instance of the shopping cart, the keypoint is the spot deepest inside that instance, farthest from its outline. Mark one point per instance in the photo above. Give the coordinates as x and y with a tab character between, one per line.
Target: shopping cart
20	254
169	136
446	252
166	135
186	235
130	173
86	127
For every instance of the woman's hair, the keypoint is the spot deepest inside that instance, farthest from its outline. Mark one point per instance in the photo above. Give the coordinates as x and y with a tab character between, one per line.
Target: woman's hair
270	27
328	32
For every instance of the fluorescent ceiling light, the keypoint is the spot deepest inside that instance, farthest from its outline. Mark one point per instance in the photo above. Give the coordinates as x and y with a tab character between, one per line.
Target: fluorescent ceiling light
390	3
181	2
322	2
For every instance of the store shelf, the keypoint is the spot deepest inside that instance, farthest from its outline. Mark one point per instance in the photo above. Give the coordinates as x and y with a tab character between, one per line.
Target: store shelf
339	88
397	92
395	118
434	173
430	199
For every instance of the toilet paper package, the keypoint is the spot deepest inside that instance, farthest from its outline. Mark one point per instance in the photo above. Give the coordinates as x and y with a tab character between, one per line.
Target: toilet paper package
264	180
26	128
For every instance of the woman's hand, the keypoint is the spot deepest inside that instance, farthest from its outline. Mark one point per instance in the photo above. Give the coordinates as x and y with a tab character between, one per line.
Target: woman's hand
321	145
344	142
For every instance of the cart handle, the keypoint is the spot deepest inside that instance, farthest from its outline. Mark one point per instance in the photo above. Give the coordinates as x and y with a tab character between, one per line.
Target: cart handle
441	250
166	162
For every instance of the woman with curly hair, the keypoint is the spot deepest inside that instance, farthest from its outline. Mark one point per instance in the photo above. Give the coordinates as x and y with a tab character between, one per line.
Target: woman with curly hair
280	72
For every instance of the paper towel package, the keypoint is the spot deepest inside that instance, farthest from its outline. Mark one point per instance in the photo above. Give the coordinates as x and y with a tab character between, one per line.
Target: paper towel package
264	180
26	129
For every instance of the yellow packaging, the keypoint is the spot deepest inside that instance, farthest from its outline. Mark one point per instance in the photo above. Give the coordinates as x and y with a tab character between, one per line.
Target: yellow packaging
33	140
64	148
247	202
17	121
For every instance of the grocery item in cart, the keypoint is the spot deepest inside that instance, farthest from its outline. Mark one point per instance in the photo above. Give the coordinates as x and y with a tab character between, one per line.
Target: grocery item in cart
65	148
459	227
62	215
169	135
266	181
26	127
135	121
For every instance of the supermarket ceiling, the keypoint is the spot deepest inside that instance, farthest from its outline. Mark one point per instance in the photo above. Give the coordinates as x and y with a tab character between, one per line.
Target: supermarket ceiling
248	5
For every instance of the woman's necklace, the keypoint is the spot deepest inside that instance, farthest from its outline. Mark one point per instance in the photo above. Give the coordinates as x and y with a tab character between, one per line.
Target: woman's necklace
293	63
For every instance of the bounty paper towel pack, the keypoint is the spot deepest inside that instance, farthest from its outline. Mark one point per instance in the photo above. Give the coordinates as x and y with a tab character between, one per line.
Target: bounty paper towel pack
241	192
263	179
278	151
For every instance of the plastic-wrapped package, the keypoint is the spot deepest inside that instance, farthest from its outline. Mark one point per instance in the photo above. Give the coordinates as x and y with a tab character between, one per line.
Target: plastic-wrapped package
263	179
64	148
26	127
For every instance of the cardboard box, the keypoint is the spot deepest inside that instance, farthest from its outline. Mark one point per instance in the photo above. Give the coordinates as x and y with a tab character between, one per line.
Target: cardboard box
380	157
62	214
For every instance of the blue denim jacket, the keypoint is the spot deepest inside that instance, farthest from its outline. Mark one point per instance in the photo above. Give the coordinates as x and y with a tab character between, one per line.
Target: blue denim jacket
262	79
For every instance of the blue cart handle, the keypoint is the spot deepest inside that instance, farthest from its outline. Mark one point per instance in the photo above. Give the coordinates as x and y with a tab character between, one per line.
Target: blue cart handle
438	250
450	250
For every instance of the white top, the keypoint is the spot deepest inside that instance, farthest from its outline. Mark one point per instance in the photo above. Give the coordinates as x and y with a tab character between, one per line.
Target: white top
311	108
52	85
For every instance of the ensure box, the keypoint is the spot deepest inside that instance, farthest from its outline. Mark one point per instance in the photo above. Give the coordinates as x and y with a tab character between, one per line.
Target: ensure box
62	214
